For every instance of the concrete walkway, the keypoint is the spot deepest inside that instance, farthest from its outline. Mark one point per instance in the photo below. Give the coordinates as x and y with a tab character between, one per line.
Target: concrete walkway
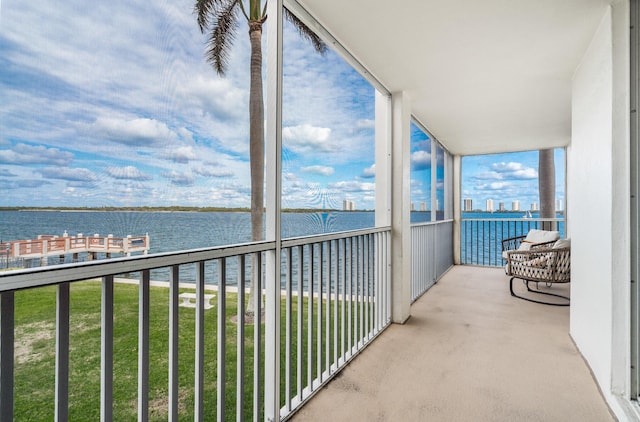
470	352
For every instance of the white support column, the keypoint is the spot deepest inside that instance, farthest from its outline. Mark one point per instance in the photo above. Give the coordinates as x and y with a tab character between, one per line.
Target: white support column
457	213
383	160
448	186
434	179
273	205
401	208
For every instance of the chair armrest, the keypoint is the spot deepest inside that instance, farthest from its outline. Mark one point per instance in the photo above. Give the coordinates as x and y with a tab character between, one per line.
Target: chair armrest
512	243
543	245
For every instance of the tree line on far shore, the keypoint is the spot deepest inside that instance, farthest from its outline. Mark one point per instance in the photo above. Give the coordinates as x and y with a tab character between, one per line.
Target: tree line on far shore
175	208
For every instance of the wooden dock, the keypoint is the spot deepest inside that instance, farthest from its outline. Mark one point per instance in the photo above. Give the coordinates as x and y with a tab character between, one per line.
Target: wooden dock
49	245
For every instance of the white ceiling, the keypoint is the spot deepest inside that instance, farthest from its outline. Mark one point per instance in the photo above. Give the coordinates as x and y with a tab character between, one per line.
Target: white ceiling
484	76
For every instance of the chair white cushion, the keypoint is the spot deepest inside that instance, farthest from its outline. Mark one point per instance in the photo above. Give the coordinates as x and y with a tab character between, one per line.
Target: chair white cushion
524	246
541	236
562	243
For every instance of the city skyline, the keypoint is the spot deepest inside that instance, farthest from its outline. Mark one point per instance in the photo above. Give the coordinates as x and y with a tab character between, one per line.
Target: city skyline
467	205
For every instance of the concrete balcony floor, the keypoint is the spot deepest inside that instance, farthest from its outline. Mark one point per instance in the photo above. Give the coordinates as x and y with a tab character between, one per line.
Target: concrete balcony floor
469	352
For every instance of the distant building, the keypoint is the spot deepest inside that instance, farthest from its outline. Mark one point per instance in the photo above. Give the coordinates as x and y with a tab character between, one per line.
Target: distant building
515	206
558	204
468	204
534	206
413	207
501	206
438	205
490	205
423	206
348	205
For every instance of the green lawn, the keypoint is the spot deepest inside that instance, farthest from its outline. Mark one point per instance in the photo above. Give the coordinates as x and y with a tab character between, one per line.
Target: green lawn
35	353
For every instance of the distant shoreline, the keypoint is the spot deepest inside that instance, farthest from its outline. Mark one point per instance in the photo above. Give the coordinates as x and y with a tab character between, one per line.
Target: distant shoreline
162	209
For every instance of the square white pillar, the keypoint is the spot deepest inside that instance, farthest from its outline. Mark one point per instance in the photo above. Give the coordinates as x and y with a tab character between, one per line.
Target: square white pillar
400	207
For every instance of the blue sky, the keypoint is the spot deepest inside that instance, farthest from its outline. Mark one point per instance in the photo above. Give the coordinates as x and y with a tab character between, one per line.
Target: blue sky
113	104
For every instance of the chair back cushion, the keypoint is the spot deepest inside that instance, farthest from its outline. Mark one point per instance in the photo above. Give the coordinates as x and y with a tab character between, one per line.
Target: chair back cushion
562	243
541	236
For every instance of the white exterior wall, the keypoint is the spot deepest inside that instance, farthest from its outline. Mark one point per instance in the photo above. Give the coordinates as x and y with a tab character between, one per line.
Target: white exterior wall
598	208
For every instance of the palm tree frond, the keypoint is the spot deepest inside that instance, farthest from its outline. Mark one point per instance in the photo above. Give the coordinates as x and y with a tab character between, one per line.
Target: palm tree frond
204	9
306	32
222	36
244	11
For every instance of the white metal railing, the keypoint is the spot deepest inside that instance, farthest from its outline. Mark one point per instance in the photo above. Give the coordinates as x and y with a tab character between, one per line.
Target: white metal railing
335	298
481	239
431	254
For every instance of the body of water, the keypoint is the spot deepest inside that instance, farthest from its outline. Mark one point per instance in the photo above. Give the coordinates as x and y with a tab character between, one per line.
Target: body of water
171	231
174	231
168	231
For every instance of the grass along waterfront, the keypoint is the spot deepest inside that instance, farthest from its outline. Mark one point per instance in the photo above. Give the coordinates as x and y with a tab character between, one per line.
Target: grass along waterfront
35	352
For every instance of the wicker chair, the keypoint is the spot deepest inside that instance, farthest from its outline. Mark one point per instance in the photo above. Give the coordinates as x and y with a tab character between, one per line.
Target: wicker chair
513	243
546	264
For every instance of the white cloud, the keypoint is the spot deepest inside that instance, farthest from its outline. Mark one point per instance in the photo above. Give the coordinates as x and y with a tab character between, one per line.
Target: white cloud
133	132
353	186
369	172
179	179
7	173
212	171
70	174
513	170
320	170
493	186
219	98
29	154
307	138
489	175
127	173
365	124
179	155
420	160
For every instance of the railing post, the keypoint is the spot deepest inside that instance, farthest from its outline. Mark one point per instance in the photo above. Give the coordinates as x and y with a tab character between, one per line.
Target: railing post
143	347
6	355
174	335
62	353
198	412
240	340
126	243
221	333
106	358
45	251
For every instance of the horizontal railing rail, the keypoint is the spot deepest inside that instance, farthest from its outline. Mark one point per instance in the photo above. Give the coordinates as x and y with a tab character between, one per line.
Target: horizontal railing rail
431	254
335	298
481	239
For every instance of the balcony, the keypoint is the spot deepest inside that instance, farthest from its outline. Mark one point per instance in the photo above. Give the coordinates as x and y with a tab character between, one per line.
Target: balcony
503	358
484	78
469	352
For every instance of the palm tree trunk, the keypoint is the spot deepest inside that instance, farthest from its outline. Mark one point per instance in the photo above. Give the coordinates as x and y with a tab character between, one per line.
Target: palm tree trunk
547	186
256	148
